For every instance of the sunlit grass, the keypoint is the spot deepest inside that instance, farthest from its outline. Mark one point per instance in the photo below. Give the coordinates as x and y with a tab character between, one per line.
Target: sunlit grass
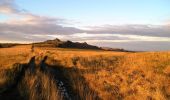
109	75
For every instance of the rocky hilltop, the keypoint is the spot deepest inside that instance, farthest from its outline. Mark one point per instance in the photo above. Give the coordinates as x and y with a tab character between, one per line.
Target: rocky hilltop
66	44
77	45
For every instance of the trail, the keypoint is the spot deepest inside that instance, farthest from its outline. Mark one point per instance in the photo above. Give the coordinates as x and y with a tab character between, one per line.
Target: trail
63	76
60	84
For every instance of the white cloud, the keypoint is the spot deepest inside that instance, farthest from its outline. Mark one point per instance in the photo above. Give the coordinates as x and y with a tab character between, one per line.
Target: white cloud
148	30
92	38
9	7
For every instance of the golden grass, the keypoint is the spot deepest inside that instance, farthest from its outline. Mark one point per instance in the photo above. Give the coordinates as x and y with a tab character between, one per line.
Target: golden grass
137	76
110	75
39	86
10	56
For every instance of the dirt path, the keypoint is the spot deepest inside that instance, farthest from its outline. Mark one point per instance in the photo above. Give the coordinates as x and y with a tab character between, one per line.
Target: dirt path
62	88
62	76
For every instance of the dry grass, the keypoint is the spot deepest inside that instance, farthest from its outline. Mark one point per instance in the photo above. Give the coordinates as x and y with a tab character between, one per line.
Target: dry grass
8	76
39	86
10	56
136	76
109	75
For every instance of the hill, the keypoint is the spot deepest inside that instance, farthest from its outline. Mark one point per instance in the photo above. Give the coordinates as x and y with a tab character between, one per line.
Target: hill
57	43
66	44
7	45
69	44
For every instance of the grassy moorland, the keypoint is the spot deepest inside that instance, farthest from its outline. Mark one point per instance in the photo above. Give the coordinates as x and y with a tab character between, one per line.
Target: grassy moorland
56	74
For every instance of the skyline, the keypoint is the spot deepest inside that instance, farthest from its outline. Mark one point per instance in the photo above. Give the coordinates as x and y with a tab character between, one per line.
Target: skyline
132	24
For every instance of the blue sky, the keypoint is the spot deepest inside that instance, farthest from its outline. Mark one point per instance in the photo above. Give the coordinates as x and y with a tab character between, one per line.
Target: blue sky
128	24
98	12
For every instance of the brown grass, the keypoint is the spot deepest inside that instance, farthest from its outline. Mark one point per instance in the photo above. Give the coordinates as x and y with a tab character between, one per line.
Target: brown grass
109	75
39	86
10	56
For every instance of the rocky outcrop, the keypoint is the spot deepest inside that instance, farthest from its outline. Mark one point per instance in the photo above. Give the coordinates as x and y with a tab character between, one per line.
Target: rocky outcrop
77	45
69	44
66	44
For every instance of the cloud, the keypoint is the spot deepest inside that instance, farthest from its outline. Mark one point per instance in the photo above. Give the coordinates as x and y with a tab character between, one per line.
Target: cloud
33	27
29	26
137	45
25	25
9	7
146	30
121	37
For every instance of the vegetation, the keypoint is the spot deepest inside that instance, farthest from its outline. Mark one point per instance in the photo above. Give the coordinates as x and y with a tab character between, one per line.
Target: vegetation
7	45
85	74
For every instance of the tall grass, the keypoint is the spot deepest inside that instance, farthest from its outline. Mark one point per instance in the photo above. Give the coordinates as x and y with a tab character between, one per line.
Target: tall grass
102	75
8	77
39	86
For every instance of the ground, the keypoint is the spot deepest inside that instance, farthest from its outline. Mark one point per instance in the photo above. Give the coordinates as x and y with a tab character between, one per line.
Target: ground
83	74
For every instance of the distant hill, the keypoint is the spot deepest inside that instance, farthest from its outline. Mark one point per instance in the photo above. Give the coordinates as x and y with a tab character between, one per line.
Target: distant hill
66	44
69	44
7	45
114	49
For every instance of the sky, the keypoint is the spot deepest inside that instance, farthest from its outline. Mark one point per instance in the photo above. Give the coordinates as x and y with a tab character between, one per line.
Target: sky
142	25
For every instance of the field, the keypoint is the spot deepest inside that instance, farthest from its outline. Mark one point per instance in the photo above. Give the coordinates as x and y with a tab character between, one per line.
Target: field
78	74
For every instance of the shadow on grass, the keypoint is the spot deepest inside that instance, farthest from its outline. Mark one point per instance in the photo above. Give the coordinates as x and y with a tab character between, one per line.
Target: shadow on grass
71	79
75	84
9	90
